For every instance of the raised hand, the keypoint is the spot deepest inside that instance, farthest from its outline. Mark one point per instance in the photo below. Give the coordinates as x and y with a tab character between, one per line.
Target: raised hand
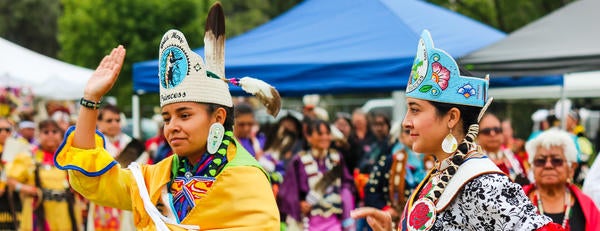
105	75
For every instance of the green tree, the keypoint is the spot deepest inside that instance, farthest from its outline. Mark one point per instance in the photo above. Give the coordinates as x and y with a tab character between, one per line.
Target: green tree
90	29
244	15
31	24
506	16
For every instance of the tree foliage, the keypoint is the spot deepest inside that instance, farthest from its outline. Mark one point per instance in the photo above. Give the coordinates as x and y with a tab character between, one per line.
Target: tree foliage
506	16
89	29
31	24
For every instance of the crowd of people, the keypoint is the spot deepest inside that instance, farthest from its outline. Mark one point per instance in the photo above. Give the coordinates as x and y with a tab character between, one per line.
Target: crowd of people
449	165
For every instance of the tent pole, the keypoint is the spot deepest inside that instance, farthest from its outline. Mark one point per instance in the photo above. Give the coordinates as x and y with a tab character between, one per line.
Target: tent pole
135	114
399	109
565	110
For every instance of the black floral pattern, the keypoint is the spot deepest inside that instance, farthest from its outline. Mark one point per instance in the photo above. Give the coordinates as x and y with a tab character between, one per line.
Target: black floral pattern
490	202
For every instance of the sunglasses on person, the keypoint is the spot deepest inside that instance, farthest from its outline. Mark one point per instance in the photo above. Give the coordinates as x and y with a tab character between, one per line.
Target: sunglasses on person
5	129
541	162
488	131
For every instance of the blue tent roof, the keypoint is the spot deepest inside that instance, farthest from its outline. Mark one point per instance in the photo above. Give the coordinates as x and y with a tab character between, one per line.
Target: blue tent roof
344	46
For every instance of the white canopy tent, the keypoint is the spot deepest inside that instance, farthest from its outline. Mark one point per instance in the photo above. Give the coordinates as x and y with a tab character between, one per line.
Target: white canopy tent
48	78
576	85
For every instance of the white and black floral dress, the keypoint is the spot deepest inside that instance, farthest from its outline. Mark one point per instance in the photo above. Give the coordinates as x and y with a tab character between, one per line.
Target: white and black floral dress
489	202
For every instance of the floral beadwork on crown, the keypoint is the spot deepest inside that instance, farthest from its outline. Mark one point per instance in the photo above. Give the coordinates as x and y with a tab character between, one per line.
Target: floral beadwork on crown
435	76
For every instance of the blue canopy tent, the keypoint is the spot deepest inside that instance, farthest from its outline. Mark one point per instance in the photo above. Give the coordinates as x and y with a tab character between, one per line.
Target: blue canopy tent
343	46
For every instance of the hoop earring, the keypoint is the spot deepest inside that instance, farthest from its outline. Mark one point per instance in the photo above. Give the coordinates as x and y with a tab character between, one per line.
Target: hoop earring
449	144
215	137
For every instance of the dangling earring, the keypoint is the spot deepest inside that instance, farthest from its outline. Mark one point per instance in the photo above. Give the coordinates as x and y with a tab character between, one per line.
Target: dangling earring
449	144
215	137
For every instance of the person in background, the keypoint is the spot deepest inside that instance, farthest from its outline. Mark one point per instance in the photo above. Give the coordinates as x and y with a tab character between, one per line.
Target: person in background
362	132
363	137
62	116
288	127
406	171
27	132
157	147
343	122
510	141
540	123
554	158
316	193
10	204
516	145
575	127
491	139
584	146
48	201
348	146
245	130
279	151
376	165
211	182
591	185
106	218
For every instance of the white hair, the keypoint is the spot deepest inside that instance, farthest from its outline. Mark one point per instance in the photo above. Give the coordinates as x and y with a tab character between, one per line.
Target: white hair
552	138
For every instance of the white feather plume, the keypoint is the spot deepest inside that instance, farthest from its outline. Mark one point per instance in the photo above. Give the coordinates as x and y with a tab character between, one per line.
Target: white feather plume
253	86
264	92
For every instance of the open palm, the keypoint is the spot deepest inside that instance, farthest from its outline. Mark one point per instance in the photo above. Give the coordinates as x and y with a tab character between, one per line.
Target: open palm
105	75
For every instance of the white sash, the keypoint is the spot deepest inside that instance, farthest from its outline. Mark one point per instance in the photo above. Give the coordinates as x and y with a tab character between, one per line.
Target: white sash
470	169
159	220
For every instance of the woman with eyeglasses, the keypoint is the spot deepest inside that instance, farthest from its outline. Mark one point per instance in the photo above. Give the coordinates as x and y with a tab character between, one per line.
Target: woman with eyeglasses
465	190
554	157
48	201
491	139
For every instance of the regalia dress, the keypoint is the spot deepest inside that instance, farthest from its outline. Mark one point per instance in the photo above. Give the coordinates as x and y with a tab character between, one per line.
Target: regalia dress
476	195
220	203
10	204
58	207
330	207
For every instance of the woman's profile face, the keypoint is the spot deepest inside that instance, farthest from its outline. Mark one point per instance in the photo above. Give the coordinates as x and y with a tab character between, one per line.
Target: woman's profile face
426	129
186	127
550	166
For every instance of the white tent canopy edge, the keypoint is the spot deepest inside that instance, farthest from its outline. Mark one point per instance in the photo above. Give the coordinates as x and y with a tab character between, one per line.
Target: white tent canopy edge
48	78
576	85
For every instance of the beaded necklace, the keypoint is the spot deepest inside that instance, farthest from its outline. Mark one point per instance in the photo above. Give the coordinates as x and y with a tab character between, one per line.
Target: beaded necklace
538	199
190	180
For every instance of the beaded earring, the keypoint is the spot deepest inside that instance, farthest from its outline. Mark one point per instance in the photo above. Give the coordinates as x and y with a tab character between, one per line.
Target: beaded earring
215	137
